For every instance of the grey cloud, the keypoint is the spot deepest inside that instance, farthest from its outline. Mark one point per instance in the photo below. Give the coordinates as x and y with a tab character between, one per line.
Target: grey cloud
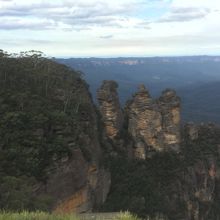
91	22
189	10
21	42
13	13
172	42
40	42
144	24
185	14
92	14
14	10
106	37
76	14
155	42
13	24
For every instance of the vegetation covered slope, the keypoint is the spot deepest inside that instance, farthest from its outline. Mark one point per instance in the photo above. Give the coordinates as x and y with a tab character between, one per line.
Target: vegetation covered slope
44	108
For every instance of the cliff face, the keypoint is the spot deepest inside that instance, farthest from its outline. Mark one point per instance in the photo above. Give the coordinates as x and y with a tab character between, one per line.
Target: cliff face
199	188
201	179
82	183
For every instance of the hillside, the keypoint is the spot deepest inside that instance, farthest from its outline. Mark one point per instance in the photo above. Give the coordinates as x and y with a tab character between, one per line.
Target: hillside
50	146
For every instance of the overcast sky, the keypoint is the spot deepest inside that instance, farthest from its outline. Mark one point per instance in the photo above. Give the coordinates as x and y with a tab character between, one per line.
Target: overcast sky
101	28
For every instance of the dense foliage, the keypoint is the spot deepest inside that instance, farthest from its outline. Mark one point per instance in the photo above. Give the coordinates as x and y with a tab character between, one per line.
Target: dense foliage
142	186
39	109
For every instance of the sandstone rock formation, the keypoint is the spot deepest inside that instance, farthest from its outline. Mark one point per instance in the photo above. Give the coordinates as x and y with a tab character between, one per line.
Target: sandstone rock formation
144	123
169	104
154	124
110	108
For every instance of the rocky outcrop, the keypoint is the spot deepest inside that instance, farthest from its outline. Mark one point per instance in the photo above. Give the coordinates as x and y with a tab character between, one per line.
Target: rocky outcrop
80	186
95	185
144	123
169	104
110	108
154	124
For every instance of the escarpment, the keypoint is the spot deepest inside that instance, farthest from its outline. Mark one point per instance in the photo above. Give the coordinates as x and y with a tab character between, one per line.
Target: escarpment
58	153
82	183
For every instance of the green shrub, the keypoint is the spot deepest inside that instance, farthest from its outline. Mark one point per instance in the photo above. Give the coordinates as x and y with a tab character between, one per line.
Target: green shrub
126	216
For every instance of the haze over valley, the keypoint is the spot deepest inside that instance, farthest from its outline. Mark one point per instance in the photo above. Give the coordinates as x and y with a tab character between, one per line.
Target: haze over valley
196	79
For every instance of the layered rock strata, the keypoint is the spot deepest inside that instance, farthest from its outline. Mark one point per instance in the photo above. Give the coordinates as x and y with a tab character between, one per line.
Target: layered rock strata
144	123
169	105
154	125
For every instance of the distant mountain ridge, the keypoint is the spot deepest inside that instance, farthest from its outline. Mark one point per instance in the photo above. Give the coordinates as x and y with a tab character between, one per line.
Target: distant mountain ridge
142	60
185	74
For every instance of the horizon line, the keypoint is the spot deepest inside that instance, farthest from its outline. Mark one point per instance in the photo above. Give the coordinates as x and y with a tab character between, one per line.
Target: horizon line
130	56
